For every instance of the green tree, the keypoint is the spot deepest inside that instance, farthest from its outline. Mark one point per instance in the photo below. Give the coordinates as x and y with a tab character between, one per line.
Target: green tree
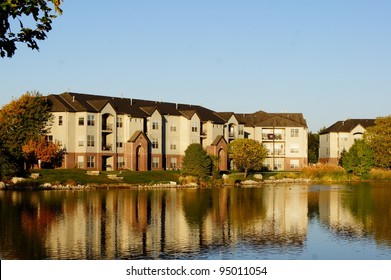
379	138
248	154
359	159
313	147
15	17
8	167
22	120
197	162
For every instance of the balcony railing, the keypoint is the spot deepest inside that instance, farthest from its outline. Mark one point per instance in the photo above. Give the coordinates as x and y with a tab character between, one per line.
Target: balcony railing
107	147
273	137
107	127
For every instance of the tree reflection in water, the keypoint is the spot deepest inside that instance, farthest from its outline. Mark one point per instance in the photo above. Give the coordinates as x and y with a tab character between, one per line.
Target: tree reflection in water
260	222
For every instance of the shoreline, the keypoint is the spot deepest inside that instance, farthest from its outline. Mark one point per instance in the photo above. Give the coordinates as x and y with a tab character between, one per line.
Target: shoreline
172	185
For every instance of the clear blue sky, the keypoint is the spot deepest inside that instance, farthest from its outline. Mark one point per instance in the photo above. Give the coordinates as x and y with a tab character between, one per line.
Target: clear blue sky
330	60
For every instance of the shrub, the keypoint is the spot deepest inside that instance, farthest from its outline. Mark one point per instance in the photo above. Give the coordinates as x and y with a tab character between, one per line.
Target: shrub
380	174
325	172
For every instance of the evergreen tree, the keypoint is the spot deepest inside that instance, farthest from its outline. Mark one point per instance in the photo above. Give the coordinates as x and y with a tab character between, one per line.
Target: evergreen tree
313	147
197	162
359	159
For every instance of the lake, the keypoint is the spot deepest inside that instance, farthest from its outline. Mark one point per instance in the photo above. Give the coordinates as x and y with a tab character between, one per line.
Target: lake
276	222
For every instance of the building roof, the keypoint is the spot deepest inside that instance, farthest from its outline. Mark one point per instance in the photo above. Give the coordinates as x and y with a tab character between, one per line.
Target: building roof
138	108
136	135
218	139
264	119
348	125
78	102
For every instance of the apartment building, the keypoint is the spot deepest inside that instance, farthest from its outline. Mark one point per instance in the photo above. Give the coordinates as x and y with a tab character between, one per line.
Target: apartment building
339	137
285	136
111	133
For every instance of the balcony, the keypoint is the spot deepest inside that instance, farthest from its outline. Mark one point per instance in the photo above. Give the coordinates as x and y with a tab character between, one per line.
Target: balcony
107	147
273	137
107	127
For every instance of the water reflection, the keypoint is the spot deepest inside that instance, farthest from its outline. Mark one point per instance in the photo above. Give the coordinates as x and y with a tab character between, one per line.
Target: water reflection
189	223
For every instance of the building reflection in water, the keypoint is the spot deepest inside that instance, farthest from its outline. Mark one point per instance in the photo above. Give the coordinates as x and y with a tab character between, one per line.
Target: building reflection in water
177	223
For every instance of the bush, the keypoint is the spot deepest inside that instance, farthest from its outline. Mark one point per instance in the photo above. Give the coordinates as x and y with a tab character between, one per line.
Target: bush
325	172
380	174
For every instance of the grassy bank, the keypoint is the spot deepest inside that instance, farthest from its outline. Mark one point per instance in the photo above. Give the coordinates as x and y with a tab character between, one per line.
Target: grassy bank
72	176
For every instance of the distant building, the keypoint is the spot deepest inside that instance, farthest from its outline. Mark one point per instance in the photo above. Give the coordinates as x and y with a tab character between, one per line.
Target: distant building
339	137
285	136
111	133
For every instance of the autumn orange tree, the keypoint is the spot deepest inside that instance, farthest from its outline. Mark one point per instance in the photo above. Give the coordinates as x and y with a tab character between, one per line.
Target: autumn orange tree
22	120
43	152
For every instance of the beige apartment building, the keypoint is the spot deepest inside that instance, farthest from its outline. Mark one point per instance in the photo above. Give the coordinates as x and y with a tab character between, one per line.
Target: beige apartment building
112	133
339	137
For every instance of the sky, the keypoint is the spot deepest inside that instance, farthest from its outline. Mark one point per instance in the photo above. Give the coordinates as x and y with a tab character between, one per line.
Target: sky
327	59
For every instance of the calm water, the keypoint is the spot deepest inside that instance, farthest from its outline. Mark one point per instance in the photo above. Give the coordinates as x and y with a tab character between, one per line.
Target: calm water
271	222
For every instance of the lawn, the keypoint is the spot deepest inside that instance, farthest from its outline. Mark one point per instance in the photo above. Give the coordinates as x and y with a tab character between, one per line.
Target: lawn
64	176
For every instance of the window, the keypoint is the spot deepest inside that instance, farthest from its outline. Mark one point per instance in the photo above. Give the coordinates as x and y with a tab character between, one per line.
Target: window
155	125
60	120
294	148
173	146
90	161
119	144
90	141
49	138
80	162
173	163
155	162
278	164
173	128
294	163
194	127
81	121
119	122
90	120
294	132
155	143
120	162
